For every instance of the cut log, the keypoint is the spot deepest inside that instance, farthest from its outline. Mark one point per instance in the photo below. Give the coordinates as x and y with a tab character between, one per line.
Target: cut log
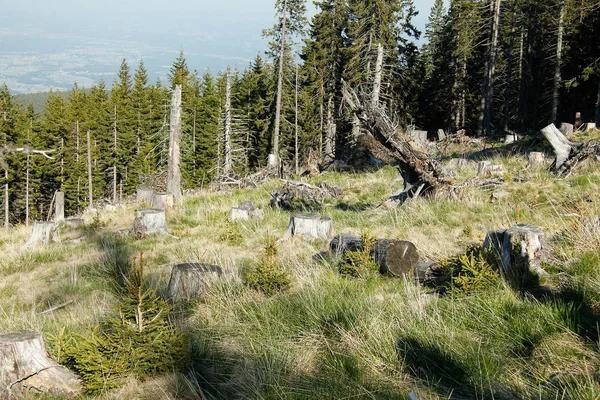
43	234
441	135
191	280
396	257
163	201
144	197
310	226
520	251
149	222
74	222
345	242
25	365
536	159
567	129
59	207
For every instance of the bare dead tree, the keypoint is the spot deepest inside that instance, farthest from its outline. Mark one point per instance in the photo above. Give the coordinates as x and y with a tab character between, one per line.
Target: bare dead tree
173	168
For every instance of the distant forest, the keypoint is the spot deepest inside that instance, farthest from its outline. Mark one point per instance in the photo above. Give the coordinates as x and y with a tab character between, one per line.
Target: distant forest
488	67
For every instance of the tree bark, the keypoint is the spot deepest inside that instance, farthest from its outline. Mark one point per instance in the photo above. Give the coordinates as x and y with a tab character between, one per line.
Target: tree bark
173	169
227	156
558	63
279	87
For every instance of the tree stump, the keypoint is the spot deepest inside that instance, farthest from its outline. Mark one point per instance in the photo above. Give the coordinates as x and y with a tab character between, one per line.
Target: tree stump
441	135
536	159
163	201
482	167
397	257
43	234
520	251
562	147
509	139
149	222
345	242
419	136
191	280
590	126
578	120
25	365
144	196
310	226
567	129
74	222
59	207
245	211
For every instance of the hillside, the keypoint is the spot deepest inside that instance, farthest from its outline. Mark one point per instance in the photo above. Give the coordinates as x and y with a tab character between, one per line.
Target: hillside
331	335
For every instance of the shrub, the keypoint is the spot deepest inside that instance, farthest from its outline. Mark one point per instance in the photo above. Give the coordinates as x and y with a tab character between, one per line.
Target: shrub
231	235
471	272
268	276
357	263
139	341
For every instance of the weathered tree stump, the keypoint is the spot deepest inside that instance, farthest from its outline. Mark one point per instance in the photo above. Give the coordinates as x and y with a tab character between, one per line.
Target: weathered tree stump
149	222
562	147
578	120
482	167
144	196
590	126
43	234
59	207
536	159
441	135
245	211
567	129
486	168
26	366
74	222
520	251
191	280
397	257
456	163
509	139
310	226
163	201
419	136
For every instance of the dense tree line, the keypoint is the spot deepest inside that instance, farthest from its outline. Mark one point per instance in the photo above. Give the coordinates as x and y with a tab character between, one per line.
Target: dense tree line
488	66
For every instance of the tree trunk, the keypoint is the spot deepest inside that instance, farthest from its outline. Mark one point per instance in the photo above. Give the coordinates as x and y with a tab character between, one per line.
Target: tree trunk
278	100
115	150
309	226
378	77
43	234
149	222
509	68
26	365
296	124
59	207
486	116
89	168
27	190
227	156
396	257
598	106
331	132
558	63
6	200
191	280
173	171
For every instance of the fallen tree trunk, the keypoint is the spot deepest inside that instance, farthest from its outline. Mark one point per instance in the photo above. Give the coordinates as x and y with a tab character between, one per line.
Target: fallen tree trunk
421	174
568	154
26	366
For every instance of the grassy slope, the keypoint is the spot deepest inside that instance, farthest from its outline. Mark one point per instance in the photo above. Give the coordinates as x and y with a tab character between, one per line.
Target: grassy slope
333	337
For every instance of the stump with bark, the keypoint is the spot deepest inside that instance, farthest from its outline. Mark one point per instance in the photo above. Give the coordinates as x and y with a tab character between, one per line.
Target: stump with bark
144	196
163	201
536	159
25	366
190	280
310	226
245	211
43	234
149	222
520	252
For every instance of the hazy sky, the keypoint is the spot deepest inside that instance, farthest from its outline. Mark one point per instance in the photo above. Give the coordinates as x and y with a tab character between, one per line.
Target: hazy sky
52	43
